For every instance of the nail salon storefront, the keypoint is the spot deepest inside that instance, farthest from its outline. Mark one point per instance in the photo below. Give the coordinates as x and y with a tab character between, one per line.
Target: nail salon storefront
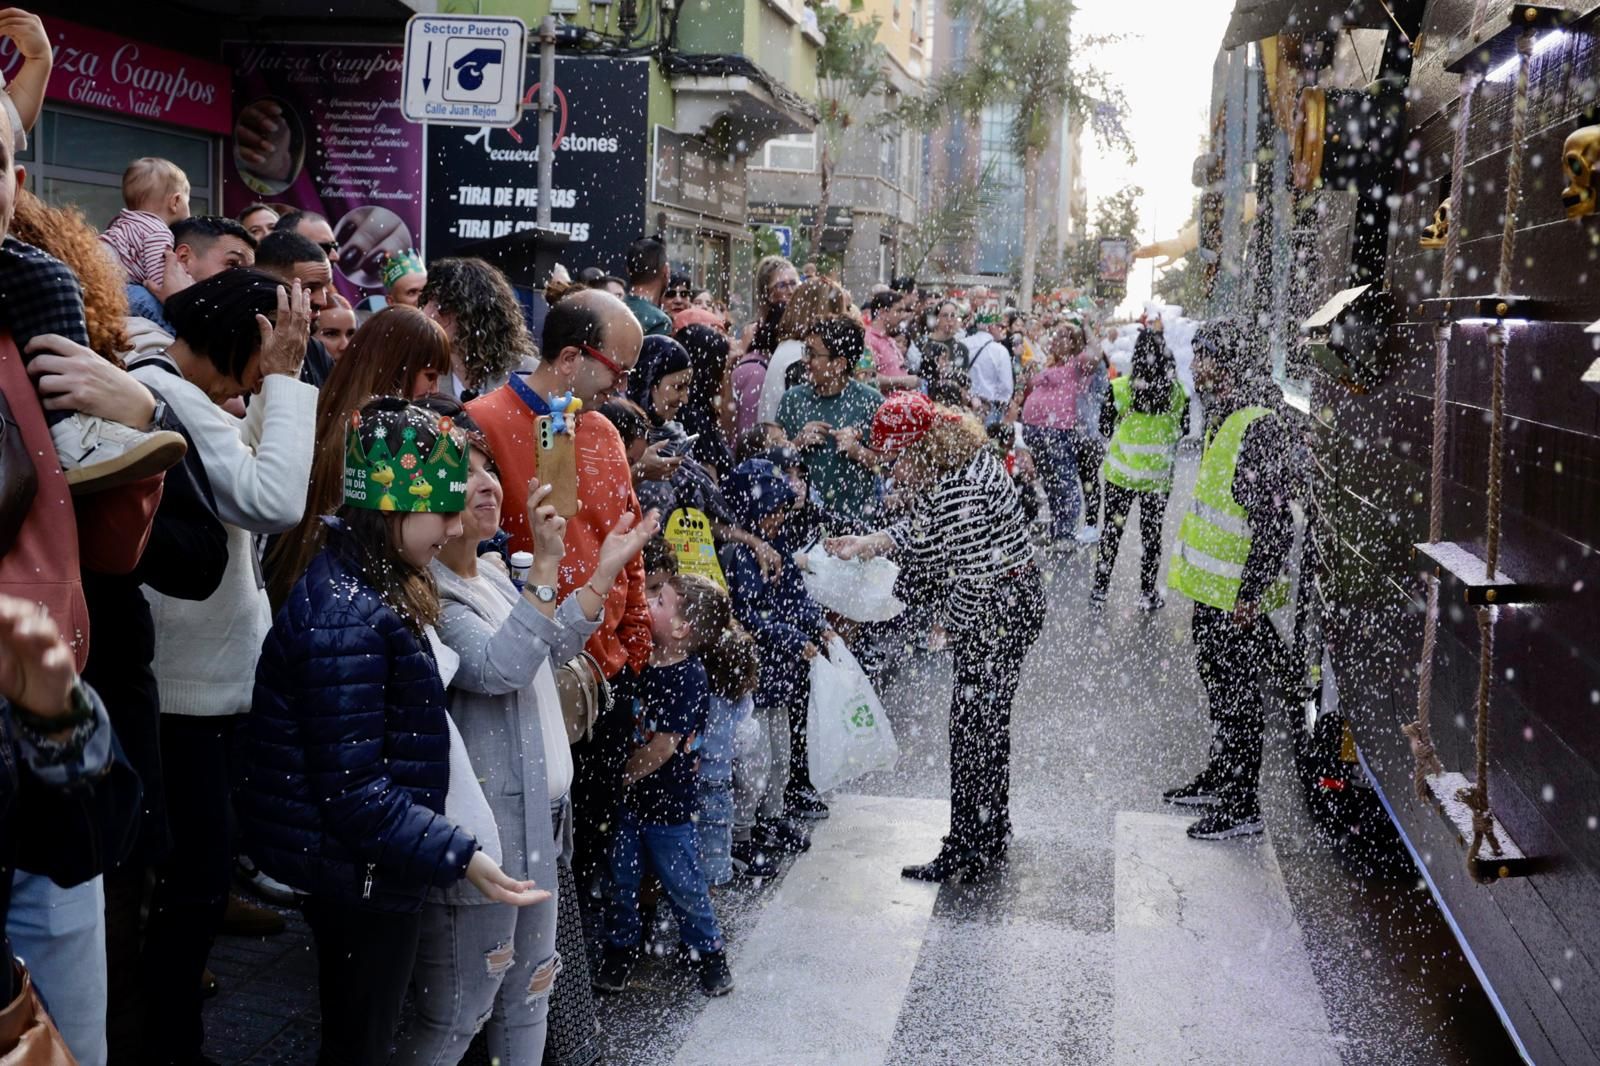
113	98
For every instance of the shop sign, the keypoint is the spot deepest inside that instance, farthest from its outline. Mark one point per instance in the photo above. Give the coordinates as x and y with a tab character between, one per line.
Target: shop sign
484	183
318	127
101	70
688	175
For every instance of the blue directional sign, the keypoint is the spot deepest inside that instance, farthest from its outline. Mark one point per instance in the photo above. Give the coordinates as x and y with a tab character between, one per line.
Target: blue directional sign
464	70
785	235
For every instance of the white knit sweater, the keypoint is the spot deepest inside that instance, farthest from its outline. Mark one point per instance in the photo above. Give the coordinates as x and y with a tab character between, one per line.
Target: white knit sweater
259	468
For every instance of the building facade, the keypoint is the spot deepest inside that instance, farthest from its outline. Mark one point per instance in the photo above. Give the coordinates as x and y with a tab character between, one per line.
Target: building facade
660	110
876	188
969	151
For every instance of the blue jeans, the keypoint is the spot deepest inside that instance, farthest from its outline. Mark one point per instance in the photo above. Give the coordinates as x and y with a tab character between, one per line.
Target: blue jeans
481	965
61	934
1055	456
673	853
714	830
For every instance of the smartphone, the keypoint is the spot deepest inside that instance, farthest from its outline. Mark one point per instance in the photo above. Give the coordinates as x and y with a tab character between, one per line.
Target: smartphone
680	446
558	468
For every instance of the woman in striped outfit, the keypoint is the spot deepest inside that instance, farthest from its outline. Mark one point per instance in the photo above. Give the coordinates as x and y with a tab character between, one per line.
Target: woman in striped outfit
964	545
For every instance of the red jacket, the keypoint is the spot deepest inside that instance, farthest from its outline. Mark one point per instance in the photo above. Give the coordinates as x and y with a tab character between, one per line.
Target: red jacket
605	492
44	564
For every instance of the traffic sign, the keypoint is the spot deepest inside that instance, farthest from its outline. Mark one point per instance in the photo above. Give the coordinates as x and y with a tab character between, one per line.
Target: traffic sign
785	235
464	70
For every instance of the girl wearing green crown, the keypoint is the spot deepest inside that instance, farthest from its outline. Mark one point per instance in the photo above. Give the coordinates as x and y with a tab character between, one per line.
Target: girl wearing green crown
347	751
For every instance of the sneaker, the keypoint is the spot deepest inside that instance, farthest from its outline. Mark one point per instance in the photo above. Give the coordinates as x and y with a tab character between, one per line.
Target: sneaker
616	966
715	977
783	834
242	918
267	888
97	454
1152	601
805	802
1201	792
752	861
1089	535
1225	823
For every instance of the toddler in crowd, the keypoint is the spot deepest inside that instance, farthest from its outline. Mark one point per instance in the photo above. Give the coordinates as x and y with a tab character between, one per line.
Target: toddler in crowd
791	629
733	667
689	617
156	194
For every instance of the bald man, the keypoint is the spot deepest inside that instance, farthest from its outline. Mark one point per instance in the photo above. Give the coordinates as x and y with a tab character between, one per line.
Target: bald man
589	346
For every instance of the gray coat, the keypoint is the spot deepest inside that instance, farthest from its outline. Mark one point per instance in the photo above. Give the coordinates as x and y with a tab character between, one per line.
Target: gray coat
503	641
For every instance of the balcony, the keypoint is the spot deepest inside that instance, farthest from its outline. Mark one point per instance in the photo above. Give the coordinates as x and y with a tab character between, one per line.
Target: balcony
744	72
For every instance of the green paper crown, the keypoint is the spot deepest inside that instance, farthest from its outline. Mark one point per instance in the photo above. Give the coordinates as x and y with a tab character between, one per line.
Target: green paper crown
406	480
399	264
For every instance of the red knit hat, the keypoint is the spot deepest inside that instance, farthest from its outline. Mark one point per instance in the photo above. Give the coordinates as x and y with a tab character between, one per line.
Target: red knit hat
902	421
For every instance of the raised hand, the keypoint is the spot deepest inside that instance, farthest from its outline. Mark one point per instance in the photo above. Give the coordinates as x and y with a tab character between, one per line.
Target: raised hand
283	339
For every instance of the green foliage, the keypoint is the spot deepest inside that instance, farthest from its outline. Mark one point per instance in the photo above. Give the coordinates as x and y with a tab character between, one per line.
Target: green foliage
1025	58
850	65
951	223
1184	284
1118	214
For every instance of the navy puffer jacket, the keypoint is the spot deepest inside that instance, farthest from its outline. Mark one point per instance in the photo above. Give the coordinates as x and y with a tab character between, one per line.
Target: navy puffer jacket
346	749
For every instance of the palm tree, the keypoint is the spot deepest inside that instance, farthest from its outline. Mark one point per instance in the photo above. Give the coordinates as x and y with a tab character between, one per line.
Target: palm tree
1023	60
851	72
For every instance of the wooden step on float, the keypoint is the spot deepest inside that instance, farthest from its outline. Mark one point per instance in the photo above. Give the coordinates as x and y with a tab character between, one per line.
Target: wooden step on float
1489	865
1479	588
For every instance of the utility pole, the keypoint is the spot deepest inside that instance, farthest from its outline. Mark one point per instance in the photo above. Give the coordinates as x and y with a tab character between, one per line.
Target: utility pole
547	116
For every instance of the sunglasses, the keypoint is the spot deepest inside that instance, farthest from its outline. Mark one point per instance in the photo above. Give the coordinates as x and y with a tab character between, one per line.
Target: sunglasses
604	360
329	247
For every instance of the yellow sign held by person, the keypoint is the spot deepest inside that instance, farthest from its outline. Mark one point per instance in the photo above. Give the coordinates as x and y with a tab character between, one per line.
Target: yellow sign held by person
689	533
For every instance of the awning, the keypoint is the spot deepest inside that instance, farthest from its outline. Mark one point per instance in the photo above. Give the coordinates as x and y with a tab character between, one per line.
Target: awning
1254	20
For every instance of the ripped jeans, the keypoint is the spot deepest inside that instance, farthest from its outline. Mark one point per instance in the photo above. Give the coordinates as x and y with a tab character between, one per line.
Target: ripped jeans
488	966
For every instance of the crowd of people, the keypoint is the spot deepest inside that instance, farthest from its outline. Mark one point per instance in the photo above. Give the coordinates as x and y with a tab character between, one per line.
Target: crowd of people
487	651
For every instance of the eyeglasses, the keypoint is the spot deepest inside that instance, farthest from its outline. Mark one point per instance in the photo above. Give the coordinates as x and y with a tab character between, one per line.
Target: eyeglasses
604	360
330	247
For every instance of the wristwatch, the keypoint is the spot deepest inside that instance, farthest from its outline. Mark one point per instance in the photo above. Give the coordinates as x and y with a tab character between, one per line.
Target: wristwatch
543	593
158	415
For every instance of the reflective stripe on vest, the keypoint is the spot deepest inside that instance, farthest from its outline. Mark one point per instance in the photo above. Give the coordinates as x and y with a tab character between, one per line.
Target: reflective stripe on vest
1214	539
1143	446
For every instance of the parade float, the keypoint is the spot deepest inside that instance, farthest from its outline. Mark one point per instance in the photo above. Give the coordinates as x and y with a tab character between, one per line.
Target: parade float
1402	194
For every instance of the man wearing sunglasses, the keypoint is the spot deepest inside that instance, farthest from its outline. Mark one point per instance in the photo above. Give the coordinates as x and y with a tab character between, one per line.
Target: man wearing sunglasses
589	346
313	227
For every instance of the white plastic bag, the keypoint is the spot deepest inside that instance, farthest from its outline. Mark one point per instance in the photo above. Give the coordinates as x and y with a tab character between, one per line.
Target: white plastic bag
847	732
860	590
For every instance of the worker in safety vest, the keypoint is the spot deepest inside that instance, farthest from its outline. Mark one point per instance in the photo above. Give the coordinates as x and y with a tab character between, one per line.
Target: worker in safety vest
1231	560
1144	415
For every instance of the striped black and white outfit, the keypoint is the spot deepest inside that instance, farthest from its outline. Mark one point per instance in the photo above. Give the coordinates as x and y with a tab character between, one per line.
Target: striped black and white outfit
968	539
965	538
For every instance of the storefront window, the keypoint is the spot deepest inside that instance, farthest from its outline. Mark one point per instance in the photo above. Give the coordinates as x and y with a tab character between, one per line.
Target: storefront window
76	158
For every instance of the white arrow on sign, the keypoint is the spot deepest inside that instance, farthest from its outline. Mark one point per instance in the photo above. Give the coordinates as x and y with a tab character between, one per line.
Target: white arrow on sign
479	74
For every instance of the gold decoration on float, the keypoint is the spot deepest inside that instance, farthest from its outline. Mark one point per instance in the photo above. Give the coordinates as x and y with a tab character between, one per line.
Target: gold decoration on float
1579	157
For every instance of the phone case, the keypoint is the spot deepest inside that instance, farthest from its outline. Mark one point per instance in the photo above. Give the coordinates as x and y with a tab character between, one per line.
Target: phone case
558	467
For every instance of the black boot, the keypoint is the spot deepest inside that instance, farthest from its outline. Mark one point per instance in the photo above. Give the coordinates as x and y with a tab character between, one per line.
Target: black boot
616	966
950	864
782	834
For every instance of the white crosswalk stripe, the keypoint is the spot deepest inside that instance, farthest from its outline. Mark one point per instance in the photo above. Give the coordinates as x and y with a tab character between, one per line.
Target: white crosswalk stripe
1210	964
822	977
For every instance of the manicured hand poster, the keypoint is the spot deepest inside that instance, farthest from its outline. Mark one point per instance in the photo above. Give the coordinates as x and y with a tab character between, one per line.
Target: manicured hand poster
318	127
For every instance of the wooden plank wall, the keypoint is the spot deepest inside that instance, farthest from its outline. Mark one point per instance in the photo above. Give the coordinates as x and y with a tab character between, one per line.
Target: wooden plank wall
1537	938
